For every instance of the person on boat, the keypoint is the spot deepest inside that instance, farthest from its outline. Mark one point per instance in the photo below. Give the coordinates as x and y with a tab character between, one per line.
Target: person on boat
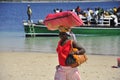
89	17
57	10
115	18
64	72
118	12
29	13
77	10
95	15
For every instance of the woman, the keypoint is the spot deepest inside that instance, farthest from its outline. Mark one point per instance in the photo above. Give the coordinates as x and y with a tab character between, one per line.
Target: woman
64	72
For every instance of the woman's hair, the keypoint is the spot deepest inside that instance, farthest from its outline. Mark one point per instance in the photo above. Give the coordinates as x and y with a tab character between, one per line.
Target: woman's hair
63	33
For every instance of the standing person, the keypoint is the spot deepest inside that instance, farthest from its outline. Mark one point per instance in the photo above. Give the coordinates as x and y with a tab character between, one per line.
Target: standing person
115	19
64	72
89	17
29	13
77	10
95	15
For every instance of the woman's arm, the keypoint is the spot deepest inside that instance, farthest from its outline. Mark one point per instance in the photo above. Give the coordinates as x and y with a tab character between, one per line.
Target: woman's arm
81	50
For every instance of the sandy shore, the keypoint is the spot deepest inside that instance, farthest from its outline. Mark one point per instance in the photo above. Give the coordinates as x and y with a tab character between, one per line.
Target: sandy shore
40	66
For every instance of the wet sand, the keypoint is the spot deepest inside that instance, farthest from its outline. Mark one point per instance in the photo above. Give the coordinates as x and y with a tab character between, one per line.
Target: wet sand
41	66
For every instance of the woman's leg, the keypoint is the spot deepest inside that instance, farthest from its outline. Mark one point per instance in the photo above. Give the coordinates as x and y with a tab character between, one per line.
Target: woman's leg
73	74
60	74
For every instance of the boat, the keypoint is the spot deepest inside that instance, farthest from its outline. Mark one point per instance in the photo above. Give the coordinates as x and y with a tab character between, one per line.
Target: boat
35	29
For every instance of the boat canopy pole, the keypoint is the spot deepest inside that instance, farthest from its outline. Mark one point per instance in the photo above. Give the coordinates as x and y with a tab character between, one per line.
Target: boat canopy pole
31	29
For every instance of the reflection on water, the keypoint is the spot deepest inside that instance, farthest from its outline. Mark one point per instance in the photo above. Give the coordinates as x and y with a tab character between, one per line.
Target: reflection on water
101	44
109	45
41	44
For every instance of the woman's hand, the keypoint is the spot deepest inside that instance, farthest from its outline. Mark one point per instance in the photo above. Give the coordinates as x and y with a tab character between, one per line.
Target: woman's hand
57	67
79	52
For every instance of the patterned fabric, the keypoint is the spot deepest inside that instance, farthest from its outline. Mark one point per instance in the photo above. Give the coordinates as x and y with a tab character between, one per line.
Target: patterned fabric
67	73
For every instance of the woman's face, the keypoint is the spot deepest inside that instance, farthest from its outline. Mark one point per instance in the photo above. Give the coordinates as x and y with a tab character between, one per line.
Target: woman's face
63	35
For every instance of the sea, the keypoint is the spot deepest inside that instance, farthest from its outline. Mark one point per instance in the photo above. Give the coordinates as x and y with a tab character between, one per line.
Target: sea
12	35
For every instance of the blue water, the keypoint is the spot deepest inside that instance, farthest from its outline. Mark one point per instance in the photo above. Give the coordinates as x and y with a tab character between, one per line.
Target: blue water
12	32
12	14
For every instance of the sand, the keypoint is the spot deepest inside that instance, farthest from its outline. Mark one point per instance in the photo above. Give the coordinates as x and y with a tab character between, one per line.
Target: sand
41	66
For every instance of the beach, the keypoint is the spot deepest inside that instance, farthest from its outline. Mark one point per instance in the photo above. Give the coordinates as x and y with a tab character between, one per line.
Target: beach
41	66
34	58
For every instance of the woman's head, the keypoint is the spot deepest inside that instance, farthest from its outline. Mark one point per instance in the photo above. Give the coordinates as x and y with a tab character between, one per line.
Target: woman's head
63	35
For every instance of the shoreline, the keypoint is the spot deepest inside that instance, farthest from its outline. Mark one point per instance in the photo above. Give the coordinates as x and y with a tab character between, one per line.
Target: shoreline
38	52
41	66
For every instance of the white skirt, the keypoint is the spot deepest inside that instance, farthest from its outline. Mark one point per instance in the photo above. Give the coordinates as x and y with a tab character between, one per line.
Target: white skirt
67	73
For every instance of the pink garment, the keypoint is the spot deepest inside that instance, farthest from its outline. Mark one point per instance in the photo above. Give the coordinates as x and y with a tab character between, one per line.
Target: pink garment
67	73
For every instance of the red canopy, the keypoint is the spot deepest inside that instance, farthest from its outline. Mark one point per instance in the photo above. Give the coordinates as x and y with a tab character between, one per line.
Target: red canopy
66	19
